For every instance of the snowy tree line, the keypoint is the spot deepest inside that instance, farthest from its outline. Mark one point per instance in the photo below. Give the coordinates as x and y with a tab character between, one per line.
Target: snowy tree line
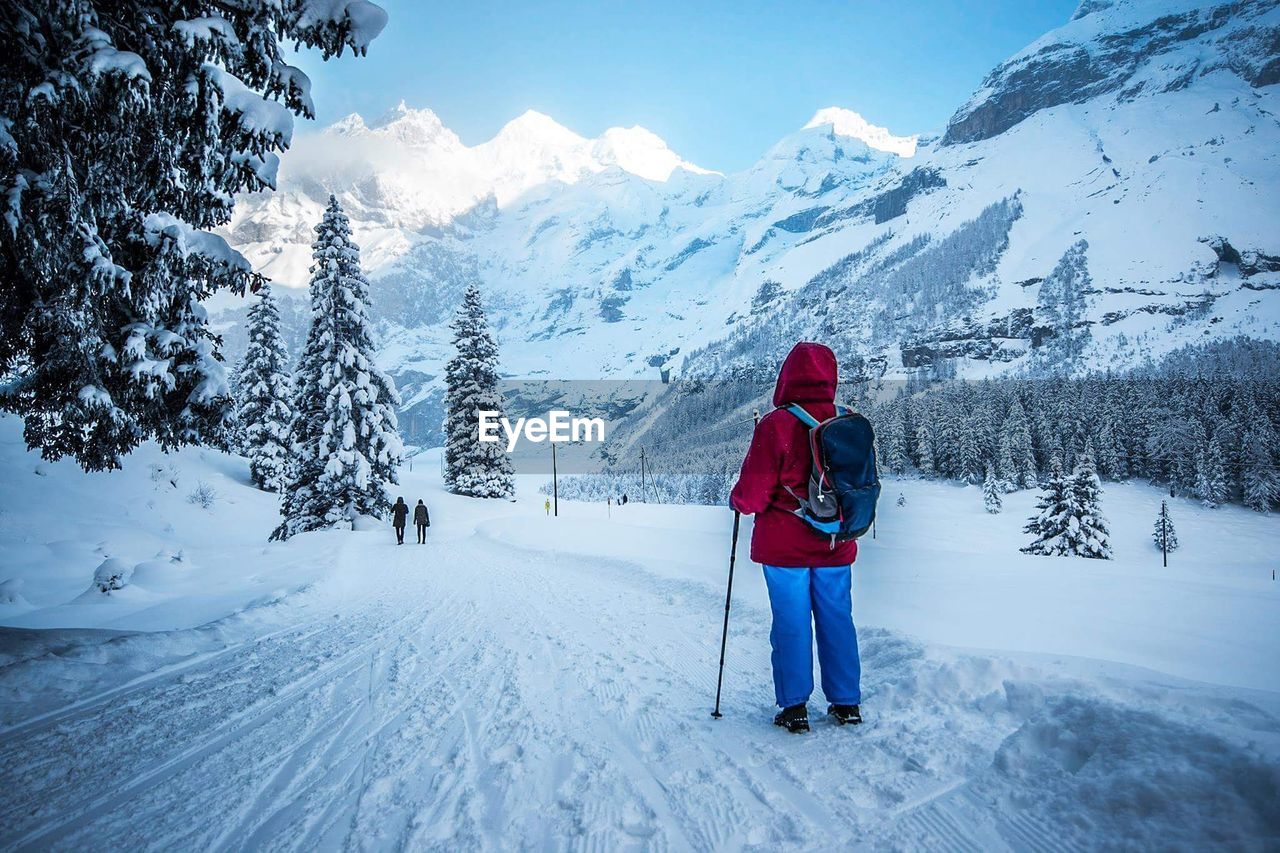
695	436
673	488
1215	439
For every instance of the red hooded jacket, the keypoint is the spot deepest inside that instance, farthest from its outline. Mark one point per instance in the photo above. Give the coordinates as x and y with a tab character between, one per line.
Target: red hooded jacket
779	457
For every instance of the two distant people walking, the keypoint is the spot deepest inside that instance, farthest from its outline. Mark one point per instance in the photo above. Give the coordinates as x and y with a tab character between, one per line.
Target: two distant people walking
400	516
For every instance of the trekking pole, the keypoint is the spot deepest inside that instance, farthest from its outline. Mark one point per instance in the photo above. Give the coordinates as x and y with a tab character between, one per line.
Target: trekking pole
728	598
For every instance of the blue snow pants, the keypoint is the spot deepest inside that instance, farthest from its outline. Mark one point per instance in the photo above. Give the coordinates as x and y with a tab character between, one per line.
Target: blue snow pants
802	599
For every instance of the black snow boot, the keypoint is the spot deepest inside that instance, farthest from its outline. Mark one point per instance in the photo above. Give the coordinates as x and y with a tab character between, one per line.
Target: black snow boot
794	719
845	715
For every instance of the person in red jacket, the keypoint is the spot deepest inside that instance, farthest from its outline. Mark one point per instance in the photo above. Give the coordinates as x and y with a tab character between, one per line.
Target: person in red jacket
809	581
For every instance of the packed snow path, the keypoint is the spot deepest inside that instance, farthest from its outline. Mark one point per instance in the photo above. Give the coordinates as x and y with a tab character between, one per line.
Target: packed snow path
468	694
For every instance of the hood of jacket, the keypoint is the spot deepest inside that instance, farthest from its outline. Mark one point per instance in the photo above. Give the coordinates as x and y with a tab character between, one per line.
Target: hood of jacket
808	375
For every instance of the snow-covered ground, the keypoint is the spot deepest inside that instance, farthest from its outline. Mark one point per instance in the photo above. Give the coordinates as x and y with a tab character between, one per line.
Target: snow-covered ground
525	681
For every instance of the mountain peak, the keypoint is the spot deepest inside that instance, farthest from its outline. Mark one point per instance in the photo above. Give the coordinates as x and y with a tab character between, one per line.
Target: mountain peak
848	123
533	126
640	151
402	113
419	128
350	125
392	115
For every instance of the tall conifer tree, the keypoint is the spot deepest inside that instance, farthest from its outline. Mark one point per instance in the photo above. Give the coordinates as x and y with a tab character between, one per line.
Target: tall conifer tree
473	467
1016	451
1087	533
264	391
991	489
1258	479
346	445
1211	476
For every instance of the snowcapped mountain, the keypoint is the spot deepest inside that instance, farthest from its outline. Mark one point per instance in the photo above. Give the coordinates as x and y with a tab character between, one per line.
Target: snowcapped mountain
1107	195
407	173
848	123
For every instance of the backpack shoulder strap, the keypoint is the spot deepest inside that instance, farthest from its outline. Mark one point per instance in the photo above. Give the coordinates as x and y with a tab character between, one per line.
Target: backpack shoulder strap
844	410
807	419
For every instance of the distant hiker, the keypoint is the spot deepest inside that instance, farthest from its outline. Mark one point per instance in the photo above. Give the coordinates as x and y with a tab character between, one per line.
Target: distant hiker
623	501
399	515
422	521
546	505
807	573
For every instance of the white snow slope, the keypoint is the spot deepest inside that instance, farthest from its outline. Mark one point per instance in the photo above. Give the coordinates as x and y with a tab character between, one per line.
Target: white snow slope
532	682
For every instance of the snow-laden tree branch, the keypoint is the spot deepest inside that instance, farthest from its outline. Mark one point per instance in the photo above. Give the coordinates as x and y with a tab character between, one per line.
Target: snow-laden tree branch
126	131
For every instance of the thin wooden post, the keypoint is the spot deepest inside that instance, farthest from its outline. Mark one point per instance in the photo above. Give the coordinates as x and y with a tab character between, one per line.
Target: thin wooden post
642	491
1164	532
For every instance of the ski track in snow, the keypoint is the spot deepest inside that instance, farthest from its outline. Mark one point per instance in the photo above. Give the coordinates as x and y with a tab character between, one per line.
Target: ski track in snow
468	694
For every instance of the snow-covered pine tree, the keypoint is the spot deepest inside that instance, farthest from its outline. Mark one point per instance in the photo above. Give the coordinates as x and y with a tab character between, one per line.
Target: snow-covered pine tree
946	447
264	392
924	450
1004	463
1078	454
472	467
1017	458
1211	476
969	465
1258	479
1110	461
891	442
1049	525
1179	443
988	418
1163	535
991	489
126	132
232	440
902	499
1087	534
346	444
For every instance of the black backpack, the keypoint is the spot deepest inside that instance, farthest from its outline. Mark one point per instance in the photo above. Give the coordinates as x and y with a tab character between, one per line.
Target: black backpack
843	482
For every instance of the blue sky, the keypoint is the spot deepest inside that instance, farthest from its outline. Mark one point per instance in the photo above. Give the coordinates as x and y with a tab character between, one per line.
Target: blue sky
719	81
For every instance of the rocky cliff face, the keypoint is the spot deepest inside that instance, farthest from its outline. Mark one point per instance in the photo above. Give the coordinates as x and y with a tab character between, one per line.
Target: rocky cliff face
1124	49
